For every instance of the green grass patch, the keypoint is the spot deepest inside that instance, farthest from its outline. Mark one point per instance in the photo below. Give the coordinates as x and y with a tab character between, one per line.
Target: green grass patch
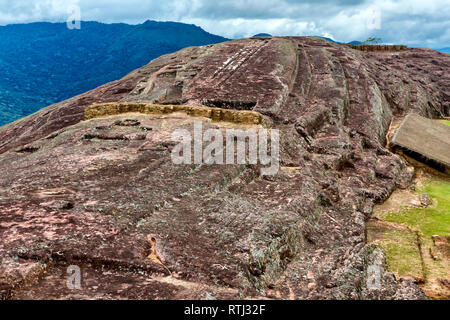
429	221
447	122
400	245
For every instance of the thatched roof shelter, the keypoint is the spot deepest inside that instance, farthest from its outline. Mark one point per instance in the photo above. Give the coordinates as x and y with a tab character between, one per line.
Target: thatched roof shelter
428	138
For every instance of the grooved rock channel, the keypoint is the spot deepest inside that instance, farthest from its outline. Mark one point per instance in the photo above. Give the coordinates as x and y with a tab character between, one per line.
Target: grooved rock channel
103	194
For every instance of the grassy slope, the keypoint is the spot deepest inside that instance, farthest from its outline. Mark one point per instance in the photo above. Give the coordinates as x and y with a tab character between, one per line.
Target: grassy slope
401	247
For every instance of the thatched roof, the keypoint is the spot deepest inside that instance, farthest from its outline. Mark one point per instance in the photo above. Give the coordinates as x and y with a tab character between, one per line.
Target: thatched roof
427	137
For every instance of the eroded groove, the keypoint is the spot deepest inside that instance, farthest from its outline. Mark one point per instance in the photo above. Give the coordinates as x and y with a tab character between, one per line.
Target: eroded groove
57	259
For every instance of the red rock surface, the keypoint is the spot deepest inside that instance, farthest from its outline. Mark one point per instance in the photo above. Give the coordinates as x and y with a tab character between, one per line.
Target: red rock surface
104	194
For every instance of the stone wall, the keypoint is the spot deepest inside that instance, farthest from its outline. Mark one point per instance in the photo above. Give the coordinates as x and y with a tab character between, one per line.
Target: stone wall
215	114
377	48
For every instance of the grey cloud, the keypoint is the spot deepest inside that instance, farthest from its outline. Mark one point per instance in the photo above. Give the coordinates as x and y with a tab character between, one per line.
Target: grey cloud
412	22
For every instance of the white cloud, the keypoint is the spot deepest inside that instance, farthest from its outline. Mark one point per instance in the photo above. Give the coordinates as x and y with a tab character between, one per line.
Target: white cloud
412	22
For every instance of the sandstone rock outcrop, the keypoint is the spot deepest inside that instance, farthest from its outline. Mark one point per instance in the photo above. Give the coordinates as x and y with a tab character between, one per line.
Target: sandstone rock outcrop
103	193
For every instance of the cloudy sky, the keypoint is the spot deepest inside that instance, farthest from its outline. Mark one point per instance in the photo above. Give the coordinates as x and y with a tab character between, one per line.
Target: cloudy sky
411	22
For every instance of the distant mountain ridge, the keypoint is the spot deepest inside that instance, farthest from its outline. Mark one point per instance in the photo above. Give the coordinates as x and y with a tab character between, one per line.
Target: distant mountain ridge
33	56
262	35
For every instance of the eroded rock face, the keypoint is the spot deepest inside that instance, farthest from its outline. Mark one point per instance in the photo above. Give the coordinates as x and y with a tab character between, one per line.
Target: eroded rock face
104	194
